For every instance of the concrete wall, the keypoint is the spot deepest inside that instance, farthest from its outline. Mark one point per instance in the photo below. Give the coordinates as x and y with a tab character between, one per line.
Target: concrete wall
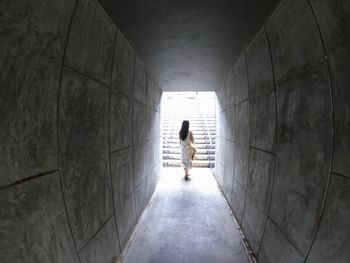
283	152
79	137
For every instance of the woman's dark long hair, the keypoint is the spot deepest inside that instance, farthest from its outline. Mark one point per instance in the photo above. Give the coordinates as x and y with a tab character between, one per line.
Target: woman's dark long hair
184	130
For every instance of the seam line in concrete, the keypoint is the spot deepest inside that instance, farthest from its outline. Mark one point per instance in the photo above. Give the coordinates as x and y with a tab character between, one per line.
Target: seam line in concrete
58	128
297	74
30	178
341	175
242	101
138	184
132	132
276	145
97	231
109	138
87	75
121	149
249	140
261	150
286	236
325	197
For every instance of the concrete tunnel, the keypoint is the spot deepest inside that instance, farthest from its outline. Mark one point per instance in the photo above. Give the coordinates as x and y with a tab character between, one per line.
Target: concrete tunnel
81	86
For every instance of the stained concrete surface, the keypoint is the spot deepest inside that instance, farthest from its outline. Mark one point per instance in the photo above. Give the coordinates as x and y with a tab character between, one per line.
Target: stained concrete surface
91	41
104	246
30	59
276	248
66	134
33	223
291	53
123	67
334	228
299	117
187	221
304	140
84	154
240	80
259	187
120	121
242	143
140	81
333	19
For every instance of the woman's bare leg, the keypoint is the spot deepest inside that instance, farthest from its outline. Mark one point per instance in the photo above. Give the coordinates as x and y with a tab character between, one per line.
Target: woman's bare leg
186	173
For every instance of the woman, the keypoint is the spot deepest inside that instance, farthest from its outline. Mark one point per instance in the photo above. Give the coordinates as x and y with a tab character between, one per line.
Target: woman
187	149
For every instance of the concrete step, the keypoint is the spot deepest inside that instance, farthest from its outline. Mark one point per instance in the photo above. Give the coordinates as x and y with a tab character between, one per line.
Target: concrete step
198	137
199	151
194	164
198	146
197	140
199	157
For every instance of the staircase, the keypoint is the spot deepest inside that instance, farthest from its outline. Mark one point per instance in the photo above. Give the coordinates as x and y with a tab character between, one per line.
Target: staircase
202	124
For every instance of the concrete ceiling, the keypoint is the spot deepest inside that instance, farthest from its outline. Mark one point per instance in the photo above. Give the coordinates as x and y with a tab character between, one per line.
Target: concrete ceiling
189	44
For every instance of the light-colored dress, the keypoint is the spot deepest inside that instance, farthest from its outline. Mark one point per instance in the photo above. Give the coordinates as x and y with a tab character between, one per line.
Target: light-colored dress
186	153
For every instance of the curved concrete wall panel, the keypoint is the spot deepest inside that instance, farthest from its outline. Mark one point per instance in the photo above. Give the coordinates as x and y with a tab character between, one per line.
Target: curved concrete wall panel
334	19
84	154
33	222
304	139
294	38
91	41
33	36
70	133
293	127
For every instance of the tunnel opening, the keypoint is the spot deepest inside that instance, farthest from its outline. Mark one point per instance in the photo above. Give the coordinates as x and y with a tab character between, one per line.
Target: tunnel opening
199	109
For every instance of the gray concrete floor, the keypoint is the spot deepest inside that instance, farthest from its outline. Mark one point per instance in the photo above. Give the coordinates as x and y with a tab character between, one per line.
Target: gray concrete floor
187	221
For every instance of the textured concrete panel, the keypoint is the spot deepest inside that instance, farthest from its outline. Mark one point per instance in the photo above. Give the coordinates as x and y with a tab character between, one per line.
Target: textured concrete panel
259	187
231	124
240	80
123	67
33	223
276	248
220	143
304	154
126	219
84	154
149	161
33	35
149	124
294	38
91	40
139	142
333	18
229	91
263	122
221	101
141	197
150	91
332	242
340	68
140	82
219	173
120	121
242	143
229	169
103	247
237	201
260	73
122	176
156	151
157	96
